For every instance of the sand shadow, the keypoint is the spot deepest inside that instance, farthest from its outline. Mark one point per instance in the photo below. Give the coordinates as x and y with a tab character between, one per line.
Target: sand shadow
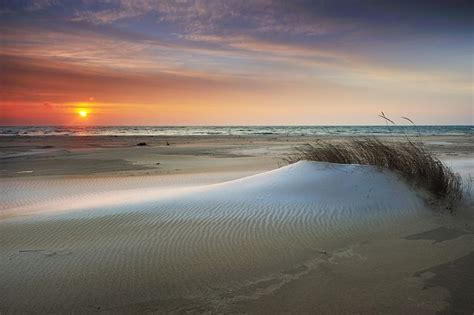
438	235
457	277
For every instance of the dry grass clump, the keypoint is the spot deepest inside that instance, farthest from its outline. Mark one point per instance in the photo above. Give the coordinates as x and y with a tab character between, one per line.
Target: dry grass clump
410	159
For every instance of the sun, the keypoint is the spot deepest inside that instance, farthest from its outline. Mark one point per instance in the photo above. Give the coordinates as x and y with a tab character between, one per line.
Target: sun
83	113
83	110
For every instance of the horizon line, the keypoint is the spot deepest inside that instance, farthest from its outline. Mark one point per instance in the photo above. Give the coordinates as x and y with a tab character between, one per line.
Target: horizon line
223	126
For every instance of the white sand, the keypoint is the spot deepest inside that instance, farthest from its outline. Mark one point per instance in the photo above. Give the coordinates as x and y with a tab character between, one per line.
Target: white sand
321	184
148	243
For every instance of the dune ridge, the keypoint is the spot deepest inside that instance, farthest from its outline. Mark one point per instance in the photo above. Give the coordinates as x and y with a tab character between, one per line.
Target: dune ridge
128	246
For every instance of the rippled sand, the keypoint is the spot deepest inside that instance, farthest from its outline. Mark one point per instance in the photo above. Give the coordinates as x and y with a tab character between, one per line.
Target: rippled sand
200	244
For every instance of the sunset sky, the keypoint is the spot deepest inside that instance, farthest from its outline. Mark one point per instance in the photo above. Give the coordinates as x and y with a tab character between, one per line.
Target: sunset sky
259	62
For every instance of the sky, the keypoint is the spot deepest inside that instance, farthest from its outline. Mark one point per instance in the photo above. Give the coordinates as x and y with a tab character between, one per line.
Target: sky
226	62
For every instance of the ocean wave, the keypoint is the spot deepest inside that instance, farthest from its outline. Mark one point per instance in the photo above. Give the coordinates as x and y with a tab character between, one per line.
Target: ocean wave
234	130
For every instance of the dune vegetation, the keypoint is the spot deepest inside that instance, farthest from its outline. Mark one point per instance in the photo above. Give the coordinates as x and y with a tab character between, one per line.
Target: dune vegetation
408	158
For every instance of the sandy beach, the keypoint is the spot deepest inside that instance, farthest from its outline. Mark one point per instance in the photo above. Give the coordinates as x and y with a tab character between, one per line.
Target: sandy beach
220	224
236	157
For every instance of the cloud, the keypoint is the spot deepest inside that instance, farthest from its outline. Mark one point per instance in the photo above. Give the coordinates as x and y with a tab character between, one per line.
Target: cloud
214	17
53	51
308	18
24	80
35	5
211	57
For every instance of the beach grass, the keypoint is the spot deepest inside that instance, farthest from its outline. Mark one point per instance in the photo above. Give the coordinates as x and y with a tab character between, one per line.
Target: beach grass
410	159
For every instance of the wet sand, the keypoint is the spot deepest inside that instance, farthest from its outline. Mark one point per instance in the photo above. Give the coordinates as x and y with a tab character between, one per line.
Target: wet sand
111	155
97	225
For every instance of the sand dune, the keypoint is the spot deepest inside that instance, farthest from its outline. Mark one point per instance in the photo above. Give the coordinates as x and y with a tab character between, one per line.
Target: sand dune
140	246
